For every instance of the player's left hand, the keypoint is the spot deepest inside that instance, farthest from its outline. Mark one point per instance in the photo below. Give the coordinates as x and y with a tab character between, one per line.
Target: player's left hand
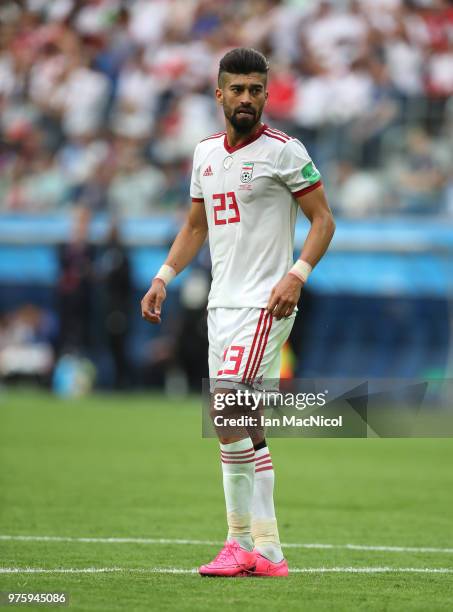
284	297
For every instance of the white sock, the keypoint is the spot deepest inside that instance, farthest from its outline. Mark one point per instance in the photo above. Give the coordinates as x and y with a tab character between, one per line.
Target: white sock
238	467
264	523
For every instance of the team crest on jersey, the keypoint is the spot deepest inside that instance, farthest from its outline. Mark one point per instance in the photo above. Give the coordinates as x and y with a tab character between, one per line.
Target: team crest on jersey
247	172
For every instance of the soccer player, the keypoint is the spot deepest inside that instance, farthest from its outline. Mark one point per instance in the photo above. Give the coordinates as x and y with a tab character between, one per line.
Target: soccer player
247	185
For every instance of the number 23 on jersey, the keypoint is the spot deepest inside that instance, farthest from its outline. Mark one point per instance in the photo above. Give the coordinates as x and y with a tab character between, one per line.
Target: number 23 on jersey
226	208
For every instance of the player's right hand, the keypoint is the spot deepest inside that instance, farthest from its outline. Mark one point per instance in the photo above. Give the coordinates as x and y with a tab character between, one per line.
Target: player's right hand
152	301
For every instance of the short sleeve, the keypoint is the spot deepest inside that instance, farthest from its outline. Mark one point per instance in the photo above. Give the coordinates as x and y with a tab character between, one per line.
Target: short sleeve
195	186
296	169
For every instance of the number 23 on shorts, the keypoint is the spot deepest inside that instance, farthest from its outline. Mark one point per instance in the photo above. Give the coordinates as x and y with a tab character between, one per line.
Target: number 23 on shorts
232	355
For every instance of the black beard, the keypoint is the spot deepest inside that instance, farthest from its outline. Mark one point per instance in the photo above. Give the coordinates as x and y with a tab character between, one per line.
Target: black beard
244	126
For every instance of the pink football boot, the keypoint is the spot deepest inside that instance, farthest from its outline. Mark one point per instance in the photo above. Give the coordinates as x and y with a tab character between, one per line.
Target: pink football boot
266	567
232	560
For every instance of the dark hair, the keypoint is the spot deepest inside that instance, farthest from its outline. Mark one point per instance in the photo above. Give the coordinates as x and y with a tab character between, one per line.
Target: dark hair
243	61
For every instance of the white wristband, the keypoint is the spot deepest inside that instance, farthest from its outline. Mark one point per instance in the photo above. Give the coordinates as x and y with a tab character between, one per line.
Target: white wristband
301	269
166	274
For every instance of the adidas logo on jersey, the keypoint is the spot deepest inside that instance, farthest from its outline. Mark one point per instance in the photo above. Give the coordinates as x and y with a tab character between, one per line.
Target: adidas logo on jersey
208	171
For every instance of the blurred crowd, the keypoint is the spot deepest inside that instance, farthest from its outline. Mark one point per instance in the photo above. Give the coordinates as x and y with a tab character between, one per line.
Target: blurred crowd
103	101
87	329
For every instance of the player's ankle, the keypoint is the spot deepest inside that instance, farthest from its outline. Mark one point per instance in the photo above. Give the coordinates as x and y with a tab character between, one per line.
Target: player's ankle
271	552
244	542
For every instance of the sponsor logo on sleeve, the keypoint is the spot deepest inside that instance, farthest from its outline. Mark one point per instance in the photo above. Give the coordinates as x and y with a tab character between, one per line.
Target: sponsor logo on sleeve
310	173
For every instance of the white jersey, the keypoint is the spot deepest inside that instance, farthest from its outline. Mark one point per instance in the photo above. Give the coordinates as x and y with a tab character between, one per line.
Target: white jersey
249	194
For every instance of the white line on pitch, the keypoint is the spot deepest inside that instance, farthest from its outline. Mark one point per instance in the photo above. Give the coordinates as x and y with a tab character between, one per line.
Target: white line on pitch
417	549
30	538
111	540
176	570
95	570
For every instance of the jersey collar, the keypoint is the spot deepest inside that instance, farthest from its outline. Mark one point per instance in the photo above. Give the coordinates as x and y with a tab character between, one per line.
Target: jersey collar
255	136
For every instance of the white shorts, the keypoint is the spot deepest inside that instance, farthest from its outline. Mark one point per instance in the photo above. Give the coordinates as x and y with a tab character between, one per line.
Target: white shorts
245	345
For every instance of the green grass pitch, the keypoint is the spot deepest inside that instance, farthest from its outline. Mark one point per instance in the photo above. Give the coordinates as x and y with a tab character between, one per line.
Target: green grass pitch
135	466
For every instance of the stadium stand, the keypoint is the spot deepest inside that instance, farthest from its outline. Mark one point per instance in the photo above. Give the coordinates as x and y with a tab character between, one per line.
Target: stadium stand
102	103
